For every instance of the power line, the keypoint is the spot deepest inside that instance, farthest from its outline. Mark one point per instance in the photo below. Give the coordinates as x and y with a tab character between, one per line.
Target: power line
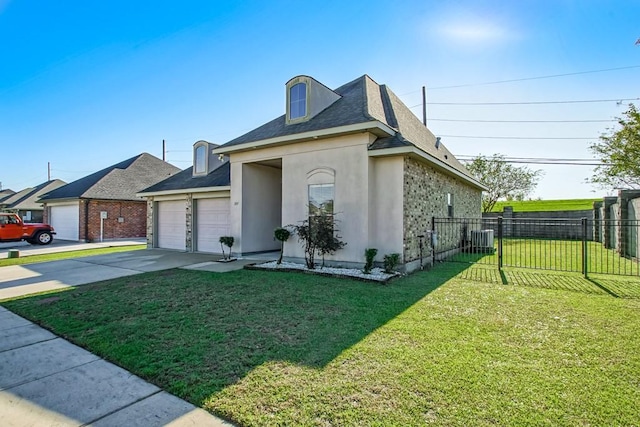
538	160
511	137
532	162
472	156
522	121
617	100
537	78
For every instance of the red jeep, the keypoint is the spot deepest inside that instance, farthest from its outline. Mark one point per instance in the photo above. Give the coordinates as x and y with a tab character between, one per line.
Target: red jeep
12	229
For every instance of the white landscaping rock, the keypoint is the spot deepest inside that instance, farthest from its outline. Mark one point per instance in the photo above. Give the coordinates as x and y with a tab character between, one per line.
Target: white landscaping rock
377	274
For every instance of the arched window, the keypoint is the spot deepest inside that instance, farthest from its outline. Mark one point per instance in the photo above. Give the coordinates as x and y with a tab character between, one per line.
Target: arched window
321	191
200	160
297	101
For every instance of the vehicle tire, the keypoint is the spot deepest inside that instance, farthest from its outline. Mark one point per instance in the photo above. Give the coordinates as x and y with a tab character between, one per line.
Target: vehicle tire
43	238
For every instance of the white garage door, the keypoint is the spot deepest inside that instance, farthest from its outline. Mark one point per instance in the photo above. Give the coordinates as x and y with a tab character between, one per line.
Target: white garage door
172	225
65	220
212	216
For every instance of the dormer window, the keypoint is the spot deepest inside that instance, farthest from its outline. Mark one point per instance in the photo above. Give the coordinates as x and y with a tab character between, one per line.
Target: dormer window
306	98
200	160
298	101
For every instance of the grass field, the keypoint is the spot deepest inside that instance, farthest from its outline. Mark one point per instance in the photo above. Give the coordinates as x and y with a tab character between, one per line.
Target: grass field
438	347
546	205
32	259
550	254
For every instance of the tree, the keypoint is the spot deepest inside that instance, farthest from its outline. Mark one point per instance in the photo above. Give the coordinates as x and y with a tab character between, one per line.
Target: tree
319	235
281	234
503	180
619	150
228	242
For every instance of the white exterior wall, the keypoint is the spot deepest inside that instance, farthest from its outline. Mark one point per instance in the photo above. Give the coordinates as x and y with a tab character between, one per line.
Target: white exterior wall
261	211
386	205
347	156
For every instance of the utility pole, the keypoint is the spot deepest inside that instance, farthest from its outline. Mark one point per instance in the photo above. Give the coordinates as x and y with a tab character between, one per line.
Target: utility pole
164	151
424	105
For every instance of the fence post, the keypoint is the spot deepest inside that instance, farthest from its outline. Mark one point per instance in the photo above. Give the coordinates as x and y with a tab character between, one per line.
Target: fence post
584	248
500	243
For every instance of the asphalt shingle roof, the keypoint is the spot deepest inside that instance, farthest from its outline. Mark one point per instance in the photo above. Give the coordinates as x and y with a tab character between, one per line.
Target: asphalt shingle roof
28	200
363	100
219	177
121	181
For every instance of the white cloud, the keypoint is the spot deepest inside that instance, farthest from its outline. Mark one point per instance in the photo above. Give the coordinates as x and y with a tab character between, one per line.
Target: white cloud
473	31
465	26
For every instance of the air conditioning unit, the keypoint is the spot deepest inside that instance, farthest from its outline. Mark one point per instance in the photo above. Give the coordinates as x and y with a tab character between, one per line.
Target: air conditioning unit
482	240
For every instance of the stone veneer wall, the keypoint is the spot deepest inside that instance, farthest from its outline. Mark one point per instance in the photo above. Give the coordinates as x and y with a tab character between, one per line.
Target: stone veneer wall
150	219
425	196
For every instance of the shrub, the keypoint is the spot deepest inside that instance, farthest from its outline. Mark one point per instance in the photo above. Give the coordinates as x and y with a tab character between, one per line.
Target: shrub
282	235
319	236
369	256
226	241
390	262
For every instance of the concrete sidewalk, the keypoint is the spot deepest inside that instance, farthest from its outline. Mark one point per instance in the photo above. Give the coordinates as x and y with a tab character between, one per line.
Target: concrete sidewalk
45	380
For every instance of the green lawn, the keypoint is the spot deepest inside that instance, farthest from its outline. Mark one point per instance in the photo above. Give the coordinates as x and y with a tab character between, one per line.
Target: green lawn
438	347
546	205
32	259
559	255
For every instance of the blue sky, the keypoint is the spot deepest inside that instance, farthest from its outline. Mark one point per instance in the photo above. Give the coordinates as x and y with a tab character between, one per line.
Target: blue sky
86	84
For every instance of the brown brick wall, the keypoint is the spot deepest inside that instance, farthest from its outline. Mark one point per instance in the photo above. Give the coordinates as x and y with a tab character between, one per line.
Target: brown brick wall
133	223
425	196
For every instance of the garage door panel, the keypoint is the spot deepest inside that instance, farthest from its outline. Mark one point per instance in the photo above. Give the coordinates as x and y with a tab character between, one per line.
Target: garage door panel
65	220
213	222
171	225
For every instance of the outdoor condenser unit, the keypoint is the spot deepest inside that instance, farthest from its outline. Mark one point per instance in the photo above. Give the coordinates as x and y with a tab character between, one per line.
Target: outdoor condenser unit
482	240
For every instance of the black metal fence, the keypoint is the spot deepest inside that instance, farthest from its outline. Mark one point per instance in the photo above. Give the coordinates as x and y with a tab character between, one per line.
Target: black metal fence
584	246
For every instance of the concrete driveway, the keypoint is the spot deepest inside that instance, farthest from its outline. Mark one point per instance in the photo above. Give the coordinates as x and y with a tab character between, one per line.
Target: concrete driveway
27	279
27	249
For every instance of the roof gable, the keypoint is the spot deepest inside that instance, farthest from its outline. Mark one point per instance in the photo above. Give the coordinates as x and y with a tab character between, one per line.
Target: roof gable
361	101
117	182
28	201
349	109
219	177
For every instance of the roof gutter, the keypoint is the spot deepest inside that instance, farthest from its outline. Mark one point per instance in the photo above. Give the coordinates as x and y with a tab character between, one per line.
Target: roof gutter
183	191
374	126
439	164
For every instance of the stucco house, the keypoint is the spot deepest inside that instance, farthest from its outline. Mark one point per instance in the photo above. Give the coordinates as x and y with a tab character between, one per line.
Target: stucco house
104	205
356	151
25	203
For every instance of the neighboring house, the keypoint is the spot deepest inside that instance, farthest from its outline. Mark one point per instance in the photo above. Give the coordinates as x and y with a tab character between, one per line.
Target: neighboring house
104	205
25	202
5	194
356	151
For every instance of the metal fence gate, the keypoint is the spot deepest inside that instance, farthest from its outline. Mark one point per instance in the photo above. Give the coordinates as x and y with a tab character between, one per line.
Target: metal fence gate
584	246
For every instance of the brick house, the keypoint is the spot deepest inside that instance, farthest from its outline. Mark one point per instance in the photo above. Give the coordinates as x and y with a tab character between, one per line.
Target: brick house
104	205
356	151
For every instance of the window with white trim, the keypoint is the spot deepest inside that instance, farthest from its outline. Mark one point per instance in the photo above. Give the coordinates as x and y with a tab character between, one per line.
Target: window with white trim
450	205
298	101
320	199
200	160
